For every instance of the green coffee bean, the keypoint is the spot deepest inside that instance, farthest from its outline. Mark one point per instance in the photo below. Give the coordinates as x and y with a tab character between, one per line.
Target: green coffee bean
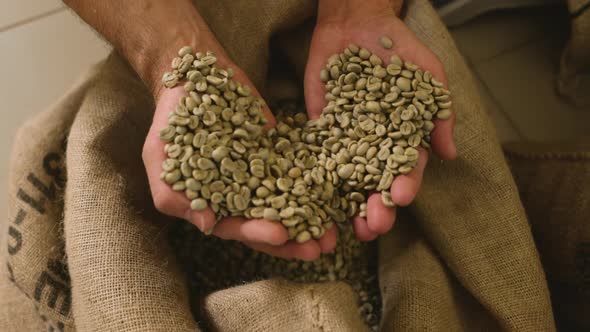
385	42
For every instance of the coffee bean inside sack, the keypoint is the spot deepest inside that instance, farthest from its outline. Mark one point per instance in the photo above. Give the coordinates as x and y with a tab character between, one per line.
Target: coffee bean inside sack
305	174
308	175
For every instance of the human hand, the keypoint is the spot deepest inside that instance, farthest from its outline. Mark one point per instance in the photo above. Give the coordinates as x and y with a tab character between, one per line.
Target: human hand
147	36
263	235
340	23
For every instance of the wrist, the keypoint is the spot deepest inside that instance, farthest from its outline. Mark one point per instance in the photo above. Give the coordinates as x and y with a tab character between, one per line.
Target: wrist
154	57
151	51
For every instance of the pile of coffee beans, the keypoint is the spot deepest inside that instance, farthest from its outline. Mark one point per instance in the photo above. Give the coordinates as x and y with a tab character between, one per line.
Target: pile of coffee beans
304	174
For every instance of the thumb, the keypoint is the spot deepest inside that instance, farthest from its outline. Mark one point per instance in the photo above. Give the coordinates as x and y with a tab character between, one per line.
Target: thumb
313	86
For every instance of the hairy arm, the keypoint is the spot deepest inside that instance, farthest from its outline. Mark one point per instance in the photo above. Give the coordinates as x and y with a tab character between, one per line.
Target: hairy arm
147	32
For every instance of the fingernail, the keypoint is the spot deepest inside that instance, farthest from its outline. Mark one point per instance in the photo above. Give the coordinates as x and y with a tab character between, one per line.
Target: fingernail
199	221
454	151
453	143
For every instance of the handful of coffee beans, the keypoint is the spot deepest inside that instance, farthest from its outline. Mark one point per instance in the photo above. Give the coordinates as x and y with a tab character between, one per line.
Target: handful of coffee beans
307	175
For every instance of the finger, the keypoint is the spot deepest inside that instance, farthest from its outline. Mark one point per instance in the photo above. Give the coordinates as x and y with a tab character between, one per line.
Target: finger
204	220
380	218
307	251
165	199
314	89
405	187
321	48
171	202
443	143
361	230
254	231
409	47
328	241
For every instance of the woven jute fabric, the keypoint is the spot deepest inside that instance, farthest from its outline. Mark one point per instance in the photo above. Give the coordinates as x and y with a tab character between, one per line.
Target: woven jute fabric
553	182
87	250
573	81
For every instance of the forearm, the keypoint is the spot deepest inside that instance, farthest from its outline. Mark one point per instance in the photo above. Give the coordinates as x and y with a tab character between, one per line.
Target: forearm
146	32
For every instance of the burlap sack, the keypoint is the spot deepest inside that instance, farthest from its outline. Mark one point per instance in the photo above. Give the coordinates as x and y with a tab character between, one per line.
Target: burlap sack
573	81
472	226
34	261
553	182
91	253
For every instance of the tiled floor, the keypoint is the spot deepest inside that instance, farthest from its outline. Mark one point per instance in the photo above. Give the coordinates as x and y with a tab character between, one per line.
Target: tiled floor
19	12
513	53
45	48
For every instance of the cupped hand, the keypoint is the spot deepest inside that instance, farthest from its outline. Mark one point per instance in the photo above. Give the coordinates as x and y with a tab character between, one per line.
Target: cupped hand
262	235
334	31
